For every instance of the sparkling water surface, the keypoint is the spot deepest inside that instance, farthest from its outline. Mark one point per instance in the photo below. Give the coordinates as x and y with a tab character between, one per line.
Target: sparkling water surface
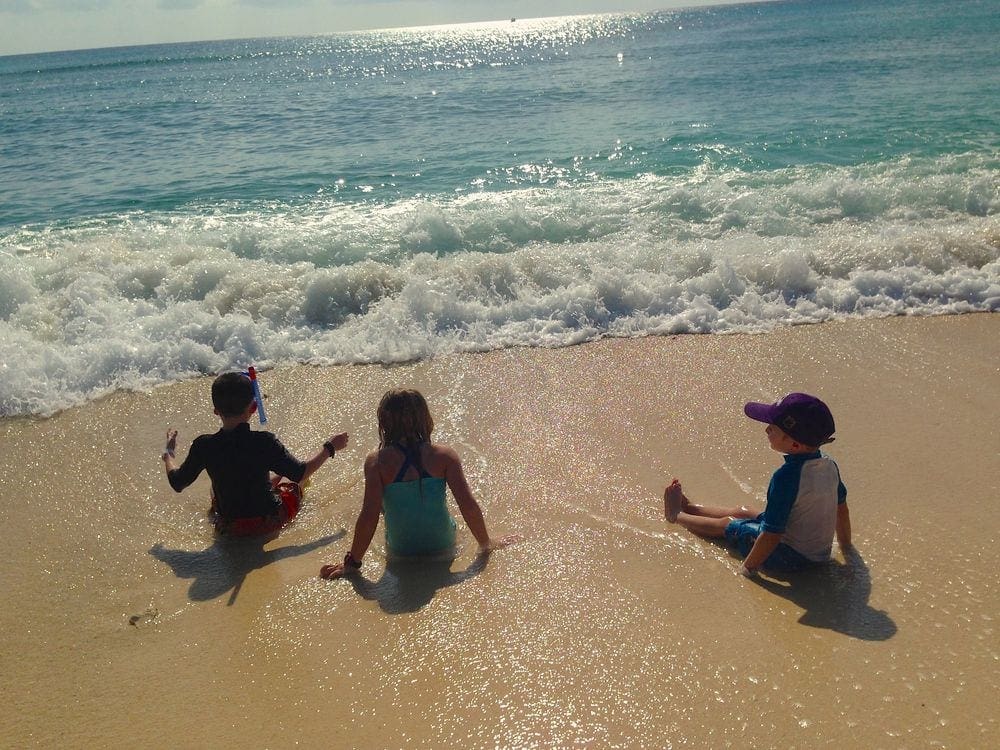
389	195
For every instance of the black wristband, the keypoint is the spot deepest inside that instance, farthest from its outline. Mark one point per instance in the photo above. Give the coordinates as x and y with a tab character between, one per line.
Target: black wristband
329	448
351	563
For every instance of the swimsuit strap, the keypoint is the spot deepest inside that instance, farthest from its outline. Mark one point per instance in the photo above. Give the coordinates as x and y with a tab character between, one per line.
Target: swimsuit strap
409	459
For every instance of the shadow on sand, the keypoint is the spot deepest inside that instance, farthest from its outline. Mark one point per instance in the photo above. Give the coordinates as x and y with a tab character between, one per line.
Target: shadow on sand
225	564
409	585
834	596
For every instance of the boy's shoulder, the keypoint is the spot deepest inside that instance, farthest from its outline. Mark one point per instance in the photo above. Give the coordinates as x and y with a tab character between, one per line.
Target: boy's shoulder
205	437
793	463
261	436
796	467
241	433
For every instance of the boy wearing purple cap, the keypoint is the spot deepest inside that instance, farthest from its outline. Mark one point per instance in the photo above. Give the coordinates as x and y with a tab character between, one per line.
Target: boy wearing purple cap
806	500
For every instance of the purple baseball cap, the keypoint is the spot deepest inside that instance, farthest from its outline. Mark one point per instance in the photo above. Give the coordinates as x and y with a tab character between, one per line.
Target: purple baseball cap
804	418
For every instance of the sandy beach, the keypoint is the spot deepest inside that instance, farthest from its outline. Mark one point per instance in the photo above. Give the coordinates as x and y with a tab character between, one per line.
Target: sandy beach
127	623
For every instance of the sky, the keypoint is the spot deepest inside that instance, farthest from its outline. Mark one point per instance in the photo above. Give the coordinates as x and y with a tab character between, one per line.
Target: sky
49	25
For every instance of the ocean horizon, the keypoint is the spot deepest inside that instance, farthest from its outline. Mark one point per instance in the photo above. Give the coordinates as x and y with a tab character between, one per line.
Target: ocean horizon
385	196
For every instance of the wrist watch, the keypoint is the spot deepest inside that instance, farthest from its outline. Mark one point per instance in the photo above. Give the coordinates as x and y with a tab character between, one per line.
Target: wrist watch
330	448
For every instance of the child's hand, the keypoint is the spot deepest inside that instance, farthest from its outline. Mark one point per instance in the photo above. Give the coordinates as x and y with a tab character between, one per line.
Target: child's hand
339	441
332	571
337	570
171	443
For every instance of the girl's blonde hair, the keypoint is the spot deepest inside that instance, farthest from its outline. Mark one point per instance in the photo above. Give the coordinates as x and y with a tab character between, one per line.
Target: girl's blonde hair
404	419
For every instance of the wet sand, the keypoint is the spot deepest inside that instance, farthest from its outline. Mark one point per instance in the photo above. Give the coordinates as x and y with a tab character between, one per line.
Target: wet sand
126	621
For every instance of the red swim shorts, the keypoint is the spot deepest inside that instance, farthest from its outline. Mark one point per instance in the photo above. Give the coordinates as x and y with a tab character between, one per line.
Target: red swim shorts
290	494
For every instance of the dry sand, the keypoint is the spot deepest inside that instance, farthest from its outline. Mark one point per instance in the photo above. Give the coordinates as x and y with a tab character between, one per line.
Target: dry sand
127	624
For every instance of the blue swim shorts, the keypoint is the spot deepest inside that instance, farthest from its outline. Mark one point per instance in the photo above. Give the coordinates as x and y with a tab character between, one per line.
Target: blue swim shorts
743	532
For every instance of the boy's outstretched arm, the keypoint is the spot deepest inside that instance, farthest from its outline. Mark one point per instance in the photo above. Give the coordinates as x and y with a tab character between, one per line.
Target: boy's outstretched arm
181	476
169	464
762	548
339	442
843	526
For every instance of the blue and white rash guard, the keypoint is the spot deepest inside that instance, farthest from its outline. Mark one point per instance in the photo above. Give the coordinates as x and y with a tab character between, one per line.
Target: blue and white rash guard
802	504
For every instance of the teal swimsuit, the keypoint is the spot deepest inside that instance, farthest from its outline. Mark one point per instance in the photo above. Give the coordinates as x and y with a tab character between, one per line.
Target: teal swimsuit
417	521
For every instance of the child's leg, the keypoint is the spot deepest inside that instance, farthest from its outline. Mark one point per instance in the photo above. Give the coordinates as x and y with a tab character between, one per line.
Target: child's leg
676	502
711	511
704	525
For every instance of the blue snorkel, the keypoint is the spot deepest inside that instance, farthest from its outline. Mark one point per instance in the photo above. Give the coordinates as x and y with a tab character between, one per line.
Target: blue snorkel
252	374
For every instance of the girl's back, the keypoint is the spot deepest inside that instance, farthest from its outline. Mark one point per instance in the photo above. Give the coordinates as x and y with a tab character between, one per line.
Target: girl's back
417	522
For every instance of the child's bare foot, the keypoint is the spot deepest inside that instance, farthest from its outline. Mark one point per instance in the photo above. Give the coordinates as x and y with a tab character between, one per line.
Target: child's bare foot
684	503
673	501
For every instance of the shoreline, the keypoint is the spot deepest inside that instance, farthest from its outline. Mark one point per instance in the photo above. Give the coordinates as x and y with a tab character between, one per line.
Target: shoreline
605	626
607	337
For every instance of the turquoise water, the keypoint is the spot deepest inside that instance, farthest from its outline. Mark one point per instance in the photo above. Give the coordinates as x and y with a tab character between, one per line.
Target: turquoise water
382	196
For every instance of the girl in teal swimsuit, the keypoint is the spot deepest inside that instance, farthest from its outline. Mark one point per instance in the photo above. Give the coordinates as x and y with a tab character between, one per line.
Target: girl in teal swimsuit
405	479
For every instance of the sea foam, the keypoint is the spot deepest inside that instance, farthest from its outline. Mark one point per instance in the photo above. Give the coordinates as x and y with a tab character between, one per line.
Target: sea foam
132	300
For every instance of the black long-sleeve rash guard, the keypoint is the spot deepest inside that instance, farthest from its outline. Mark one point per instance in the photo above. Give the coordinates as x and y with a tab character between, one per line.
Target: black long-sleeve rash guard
239	462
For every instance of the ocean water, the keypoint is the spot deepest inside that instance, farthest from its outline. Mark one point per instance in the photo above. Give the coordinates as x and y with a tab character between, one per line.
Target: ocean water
384	196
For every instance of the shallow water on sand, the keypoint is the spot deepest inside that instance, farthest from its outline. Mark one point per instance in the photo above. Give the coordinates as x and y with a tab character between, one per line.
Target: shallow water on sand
128	622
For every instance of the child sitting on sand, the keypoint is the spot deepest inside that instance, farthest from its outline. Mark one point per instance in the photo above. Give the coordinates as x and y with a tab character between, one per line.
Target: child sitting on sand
806	500
405	480
246	499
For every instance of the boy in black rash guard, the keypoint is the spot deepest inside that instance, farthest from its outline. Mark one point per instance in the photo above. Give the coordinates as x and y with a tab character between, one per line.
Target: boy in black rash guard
239	461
